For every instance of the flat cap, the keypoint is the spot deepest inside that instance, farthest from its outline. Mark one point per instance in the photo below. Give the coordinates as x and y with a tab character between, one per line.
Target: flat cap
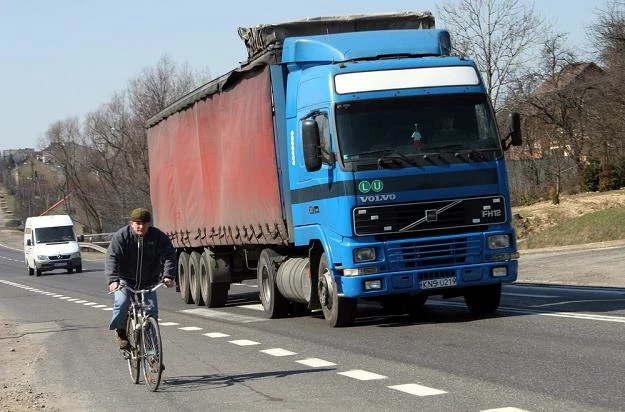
140	214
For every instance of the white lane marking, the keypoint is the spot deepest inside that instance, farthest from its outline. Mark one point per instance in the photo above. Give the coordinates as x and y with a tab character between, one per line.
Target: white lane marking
362	375
90	304
99	306
190	328
571	315
216	335
107	309
215	314
244	342
530	295
278	352
72	300
418	390
168	324
315	362
57	296
81	301
65	297
506	409
576	301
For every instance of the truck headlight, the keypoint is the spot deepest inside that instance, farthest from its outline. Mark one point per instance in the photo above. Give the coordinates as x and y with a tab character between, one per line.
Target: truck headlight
364	254
498	241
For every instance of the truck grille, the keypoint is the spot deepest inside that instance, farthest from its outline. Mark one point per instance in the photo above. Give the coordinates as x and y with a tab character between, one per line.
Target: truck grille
429	253
415	217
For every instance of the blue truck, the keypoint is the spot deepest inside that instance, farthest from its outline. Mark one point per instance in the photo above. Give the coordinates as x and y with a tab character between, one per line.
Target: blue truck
349	158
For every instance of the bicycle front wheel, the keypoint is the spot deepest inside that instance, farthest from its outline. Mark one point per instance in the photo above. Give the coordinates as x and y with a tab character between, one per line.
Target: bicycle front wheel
152	358
133	350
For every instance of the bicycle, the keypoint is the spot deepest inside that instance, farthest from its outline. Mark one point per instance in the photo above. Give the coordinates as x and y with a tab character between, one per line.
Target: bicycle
144	337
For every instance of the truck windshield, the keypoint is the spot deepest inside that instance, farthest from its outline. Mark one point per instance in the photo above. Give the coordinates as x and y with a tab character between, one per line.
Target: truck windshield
54	234
415	125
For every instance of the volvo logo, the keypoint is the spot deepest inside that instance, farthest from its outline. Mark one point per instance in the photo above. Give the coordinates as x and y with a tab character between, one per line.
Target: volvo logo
377	198
431	215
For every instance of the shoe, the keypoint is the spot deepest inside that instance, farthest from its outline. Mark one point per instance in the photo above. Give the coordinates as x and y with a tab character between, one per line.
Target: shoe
122	339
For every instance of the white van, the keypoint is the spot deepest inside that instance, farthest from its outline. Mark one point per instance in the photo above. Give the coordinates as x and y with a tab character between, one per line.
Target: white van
50	243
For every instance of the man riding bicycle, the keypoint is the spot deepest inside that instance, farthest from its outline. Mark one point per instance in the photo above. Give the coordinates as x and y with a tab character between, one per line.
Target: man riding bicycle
136	255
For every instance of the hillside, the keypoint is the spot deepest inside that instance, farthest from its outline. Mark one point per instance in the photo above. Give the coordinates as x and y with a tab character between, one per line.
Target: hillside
545	220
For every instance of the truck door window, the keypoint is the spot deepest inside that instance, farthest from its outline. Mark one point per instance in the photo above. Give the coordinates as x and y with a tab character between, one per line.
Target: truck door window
323	123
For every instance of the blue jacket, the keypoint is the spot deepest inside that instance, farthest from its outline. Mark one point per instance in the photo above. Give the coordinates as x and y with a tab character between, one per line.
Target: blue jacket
140	263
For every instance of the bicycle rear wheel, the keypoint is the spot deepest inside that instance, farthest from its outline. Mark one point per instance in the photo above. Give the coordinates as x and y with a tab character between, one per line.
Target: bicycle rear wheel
133	351
152	358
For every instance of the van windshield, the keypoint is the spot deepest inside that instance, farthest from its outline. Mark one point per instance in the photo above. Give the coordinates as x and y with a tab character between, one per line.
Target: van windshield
55	234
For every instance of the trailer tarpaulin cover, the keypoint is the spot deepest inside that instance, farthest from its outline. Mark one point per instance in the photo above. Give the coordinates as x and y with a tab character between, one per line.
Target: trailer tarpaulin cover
264	37
213	172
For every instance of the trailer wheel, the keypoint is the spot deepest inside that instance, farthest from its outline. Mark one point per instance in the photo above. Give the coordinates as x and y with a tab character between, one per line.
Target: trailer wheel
275	305
183	277
483	300
338	311
214	294
194	278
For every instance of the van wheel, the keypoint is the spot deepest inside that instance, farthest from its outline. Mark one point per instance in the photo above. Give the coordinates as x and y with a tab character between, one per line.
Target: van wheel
31	271
37	272
70	270
79	269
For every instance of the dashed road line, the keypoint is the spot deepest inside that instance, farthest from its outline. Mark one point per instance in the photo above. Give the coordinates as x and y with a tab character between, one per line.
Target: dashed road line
278	352
415	389
362	375
216	335
315	362
190	328
244	342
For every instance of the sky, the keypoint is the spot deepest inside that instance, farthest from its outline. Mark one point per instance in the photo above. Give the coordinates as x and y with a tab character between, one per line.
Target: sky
66	58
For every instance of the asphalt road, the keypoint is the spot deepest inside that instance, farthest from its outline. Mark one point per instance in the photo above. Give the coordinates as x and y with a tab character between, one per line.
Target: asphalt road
551	347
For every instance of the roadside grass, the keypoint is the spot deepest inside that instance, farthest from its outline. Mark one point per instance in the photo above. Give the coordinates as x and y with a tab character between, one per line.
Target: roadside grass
599	226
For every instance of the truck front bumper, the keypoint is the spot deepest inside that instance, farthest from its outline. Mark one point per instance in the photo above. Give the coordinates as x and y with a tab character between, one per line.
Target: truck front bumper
431	281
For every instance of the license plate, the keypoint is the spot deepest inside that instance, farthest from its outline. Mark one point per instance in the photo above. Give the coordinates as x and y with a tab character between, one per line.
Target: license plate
60	264
437	283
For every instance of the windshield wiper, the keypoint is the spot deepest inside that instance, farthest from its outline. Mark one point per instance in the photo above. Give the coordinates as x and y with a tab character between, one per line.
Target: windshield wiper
446	146
389	155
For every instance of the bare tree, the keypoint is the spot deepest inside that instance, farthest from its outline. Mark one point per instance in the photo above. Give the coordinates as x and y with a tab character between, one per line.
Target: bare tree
499	35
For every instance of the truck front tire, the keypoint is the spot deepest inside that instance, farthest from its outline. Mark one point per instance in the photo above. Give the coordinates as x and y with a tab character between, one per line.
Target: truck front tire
337	311
483	300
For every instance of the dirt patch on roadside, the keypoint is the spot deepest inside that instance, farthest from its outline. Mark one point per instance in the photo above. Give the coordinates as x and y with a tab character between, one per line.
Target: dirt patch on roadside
18	356
543	215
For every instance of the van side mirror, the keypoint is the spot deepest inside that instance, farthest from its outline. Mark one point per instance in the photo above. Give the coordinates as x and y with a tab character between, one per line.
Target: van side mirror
311	145
29	242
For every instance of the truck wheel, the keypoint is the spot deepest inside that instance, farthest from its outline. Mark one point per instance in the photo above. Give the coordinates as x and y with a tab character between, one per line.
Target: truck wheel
483	300
275	305
338	311
183	277
415	304
214	294
194	278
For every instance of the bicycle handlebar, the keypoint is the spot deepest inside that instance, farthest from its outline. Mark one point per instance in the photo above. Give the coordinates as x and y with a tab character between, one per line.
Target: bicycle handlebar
122	285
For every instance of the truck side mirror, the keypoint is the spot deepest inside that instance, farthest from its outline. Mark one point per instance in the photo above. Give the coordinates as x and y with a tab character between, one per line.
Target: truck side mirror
311	145
28	242
515	129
